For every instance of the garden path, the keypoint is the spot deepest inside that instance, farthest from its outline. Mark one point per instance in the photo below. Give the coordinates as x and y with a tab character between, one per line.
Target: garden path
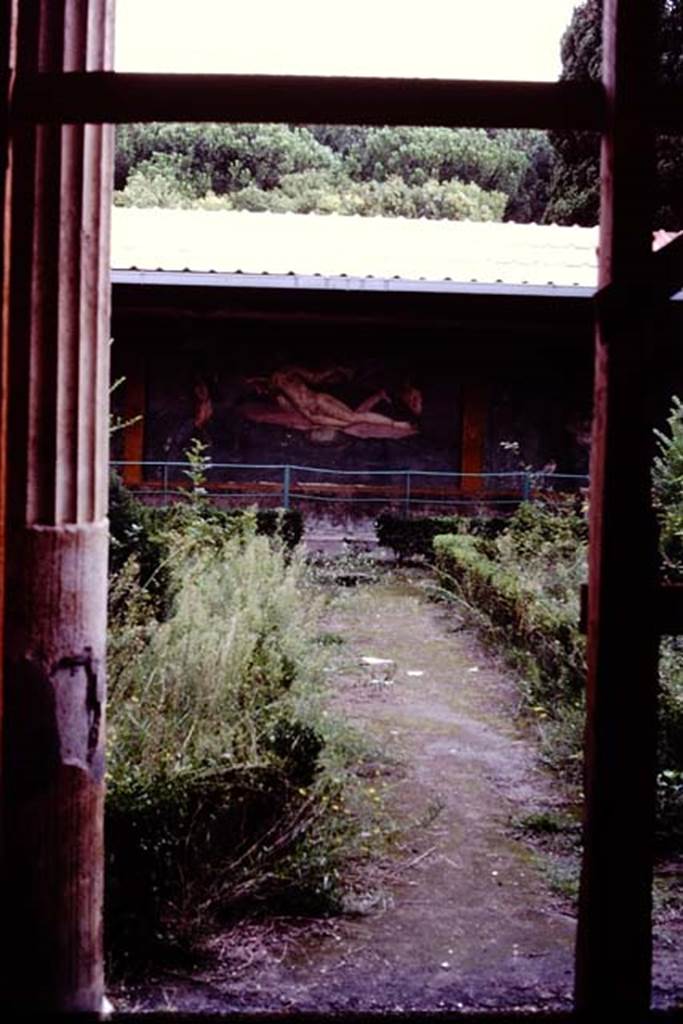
466	912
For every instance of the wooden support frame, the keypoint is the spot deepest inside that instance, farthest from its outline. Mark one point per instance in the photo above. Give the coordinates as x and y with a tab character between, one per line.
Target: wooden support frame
613	962
119	97
7	44
613	952
56	322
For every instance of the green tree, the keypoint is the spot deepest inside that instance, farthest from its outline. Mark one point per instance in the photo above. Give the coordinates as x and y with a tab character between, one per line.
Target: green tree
517	162
527	204
314	192
469	155
575	190
409	172
225	158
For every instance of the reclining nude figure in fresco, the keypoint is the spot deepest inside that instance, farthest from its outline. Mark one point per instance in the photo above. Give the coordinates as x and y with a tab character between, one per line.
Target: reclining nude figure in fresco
299	406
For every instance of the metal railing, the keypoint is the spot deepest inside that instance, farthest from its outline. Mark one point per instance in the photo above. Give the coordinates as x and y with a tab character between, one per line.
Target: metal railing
290	485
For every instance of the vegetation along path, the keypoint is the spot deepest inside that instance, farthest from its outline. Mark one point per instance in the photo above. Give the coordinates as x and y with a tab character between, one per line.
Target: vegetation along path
465	910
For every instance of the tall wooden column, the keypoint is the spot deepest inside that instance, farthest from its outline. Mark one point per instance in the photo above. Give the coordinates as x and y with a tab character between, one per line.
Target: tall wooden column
614	941
474	417
7	58
133	370
52	783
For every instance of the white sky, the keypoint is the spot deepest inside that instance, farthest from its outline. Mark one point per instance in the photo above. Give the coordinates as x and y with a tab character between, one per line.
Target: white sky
494	39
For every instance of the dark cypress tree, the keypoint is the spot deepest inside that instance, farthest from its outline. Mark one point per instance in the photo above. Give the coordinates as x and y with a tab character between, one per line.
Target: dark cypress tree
575	190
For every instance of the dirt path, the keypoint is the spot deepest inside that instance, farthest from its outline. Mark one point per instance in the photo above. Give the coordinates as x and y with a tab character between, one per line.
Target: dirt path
465	916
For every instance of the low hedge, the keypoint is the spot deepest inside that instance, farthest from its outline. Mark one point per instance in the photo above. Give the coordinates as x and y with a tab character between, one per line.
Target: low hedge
410	537
282	522
546	640
288	523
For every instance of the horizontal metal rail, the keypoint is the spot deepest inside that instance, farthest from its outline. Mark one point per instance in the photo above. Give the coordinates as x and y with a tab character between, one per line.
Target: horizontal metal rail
408	489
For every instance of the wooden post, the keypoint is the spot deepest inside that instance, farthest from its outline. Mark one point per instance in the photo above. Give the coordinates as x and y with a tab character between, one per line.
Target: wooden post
52	787
7	43
474	415
133	369
613	962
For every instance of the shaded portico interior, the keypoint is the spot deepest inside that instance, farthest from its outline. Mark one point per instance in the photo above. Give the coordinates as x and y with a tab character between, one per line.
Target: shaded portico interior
55	201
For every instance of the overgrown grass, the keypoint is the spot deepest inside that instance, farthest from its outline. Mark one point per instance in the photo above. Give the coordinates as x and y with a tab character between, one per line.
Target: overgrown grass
227	778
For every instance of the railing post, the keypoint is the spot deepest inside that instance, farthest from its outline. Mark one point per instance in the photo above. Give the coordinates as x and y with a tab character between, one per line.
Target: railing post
286	485
165	488
526	487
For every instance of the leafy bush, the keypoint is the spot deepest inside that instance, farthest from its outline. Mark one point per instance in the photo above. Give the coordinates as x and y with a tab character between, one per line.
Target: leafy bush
225	778
668	492
142	532
286	525
544	637
668	498
546	546
525	584
410	537
134	543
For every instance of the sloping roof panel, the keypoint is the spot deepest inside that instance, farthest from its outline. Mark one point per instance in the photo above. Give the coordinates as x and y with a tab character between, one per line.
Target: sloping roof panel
333	246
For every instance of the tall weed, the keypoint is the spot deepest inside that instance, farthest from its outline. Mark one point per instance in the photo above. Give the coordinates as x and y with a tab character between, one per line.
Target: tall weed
226	779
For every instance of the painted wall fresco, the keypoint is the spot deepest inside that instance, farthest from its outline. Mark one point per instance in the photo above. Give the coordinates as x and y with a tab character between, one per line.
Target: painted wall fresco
355	397
344	411
541	422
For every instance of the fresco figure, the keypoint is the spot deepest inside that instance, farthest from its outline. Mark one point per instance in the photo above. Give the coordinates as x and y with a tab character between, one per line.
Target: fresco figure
202	405
298	405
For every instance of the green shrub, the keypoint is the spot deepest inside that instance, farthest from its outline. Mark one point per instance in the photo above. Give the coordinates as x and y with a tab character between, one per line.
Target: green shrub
134	541
671	704
526	583
668	492
546	636
410	537
545	547
668	499
145	533
560	524
288	524
285	524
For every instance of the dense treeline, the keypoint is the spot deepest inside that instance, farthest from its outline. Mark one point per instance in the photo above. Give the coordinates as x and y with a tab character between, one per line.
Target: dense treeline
575	191
457	174
410	172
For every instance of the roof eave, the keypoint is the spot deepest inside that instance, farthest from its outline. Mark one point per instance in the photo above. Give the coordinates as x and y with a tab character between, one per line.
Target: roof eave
343	283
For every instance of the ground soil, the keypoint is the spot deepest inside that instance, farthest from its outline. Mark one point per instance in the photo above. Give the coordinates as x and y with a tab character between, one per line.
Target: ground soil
470	909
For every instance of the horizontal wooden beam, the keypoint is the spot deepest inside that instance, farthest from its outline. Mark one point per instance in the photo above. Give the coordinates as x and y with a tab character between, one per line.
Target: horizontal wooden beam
664	281
669	612
95	97
668	264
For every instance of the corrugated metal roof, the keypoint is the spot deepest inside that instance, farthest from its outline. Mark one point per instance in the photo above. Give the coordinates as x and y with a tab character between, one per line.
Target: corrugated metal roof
375	250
